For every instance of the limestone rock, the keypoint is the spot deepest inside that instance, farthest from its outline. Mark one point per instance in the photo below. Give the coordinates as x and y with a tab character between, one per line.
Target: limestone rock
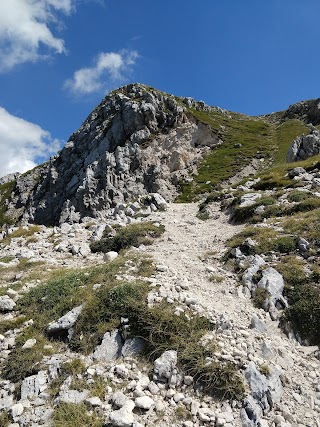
110	256
123	417
110	348
304	146
6	304
65	323
165	365
144	402
32	386
132	347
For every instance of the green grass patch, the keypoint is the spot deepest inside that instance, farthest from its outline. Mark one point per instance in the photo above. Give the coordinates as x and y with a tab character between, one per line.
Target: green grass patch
303	293
255	137
6	259
75	414
21	232
285	134
25	362
128	236
297	196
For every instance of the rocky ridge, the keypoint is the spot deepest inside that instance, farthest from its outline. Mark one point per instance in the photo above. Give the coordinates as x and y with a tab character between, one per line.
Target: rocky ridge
137	141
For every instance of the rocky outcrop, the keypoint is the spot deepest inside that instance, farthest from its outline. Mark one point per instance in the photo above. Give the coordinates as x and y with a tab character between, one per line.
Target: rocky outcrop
304	146
137	141
308	111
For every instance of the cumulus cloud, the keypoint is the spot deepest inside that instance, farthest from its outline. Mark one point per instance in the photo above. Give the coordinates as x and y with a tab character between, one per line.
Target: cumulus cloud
24	30
22	143
108	68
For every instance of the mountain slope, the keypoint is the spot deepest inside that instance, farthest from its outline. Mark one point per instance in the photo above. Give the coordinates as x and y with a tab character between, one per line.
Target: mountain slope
139	140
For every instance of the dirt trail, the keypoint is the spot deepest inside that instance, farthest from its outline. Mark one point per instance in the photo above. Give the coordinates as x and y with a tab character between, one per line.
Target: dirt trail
181	254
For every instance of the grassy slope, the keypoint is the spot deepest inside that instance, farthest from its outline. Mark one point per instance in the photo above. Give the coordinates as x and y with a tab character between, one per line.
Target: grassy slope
259	137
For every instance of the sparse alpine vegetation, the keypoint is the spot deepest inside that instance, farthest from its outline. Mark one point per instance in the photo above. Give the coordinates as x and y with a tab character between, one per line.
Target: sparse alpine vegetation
125	237
98	327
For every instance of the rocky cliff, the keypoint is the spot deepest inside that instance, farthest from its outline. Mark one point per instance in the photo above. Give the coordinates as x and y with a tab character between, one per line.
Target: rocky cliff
137	141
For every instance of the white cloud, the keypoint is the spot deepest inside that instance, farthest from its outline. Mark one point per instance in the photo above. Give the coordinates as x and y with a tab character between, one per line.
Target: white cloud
24	30
22	143
108	68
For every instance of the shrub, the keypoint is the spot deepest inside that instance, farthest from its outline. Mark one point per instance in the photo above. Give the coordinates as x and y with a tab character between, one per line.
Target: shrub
304	311
284	244
131	235
260	296
298	196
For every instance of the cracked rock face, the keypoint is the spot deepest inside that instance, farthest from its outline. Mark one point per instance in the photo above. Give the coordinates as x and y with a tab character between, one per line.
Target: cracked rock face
304	146
137	141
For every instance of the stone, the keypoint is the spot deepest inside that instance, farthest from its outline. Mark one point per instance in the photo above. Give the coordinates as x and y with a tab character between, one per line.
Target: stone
6	304
303	245
110	256
275	386
257	324
257	382
94	401
266	349
63	326
132	347
247	276
110	348
6	401
119	399
29	343
178	397
188	380
73	396
273	283
34	385
296	172
159	202
123	417
165	365
304	146
249	199
144	402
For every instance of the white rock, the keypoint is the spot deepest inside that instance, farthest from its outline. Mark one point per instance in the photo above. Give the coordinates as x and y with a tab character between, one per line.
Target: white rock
123	417
119	399
110	348
164	365
65	322
6	303
110	256
73	396
16	410
132	347
29	343
144	402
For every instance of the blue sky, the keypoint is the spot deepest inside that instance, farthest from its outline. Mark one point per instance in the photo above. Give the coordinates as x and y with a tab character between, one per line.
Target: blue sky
59	58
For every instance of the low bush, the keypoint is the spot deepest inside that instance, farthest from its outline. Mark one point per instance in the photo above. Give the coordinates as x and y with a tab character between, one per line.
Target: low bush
298	196
131	235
